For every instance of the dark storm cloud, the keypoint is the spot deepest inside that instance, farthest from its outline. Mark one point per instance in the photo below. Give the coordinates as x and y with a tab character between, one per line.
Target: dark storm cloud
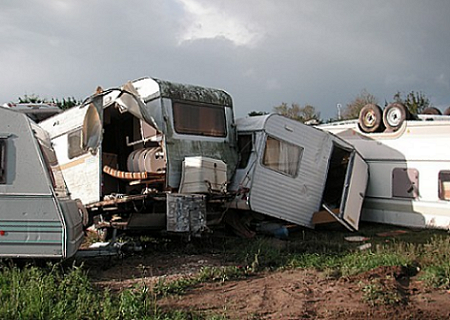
262	52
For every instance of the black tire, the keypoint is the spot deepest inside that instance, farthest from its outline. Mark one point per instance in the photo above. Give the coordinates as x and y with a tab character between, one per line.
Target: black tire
394	115
432	111
371	118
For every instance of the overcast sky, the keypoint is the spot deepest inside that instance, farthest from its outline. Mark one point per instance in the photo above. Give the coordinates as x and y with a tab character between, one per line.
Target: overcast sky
263	52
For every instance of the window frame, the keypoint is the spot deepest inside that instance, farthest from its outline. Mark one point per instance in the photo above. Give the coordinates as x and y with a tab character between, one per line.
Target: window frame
180	110
288	144
245	148
73	152
400	178
442	188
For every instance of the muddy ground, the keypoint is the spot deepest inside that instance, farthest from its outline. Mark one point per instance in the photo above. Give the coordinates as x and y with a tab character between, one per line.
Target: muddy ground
288	294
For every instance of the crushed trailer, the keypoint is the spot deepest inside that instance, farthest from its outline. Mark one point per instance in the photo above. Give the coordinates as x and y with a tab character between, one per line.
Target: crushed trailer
162	156
297	173
409	165
150	155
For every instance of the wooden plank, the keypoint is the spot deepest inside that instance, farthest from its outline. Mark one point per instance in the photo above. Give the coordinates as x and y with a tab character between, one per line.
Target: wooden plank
324	216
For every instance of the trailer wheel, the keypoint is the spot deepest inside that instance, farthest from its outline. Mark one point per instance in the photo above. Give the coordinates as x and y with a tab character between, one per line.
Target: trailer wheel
370	118
83	213
432	110
394	115
447	112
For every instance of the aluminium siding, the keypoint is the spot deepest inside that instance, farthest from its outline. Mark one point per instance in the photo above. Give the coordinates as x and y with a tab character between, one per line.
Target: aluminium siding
292	199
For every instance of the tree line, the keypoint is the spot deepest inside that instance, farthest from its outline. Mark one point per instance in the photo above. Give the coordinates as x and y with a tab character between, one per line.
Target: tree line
64	103
415	102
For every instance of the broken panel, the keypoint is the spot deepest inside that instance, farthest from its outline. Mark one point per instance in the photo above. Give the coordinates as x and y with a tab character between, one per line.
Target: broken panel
186	213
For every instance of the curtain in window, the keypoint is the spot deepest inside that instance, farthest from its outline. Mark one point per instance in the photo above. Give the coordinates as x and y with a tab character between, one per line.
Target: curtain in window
282	156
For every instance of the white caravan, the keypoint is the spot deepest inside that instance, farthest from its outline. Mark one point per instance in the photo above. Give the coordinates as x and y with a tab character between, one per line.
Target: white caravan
37	218
409	169
134	153
297	173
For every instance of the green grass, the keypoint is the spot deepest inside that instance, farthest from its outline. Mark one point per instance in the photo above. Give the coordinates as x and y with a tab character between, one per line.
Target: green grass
328	251
51	292
426	251
375	293
55	292
207	274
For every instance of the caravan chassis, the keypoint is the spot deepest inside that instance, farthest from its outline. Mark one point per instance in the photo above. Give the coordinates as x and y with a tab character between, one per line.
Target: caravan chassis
138	212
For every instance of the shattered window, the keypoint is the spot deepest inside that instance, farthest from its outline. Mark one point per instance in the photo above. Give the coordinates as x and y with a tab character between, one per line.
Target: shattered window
204	120
405	183
2	161
245	149
282	156
74	143
444	185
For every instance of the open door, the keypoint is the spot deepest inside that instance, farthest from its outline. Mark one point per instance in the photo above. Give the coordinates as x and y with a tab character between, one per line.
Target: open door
353	193
91	130
358	176
345	188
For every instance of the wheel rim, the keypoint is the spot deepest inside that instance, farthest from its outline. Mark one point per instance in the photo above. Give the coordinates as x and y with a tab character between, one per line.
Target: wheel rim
369	119
394	117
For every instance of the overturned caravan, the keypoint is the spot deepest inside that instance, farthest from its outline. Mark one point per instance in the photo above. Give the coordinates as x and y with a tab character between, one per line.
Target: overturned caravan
151	154
37	217
297	173
409	168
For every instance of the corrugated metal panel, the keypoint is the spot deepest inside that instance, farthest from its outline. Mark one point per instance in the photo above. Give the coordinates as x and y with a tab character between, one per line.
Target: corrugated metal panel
281	196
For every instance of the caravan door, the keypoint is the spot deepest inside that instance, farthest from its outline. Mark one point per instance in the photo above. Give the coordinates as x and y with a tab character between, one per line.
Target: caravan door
353	194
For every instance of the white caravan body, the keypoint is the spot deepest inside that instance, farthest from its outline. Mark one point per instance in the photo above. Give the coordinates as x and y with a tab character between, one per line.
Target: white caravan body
290	171
409	181
37	218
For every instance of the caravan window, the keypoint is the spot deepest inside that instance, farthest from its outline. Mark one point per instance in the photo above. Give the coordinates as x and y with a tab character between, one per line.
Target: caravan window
405	183
204	120
444	185
282	156
245	146
74	143
2	161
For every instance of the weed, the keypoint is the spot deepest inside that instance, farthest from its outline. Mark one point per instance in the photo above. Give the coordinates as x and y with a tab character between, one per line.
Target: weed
376	293
179	286
54	293
223	274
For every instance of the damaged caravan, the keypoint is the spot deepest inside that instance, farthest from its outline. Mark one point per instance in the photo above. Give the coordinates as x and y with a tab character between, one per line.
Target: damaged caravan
409	167
290	171
133	153
157	155
37	217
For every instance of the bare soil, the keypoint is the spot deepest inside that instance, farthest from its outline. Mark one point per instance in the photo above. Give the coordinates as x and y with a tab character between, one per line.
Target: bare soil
289	294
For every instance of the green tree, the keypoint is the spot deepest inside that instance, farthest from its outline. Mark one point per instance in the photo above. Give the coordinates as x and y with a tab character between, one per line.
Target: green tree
416	102
257	113
296	112
63	104
352	109
33	98
67	103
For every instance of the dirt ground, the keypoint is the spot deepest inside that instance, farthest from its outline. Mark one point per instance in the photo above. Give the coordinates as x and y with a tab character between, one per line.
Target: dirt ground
290	294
